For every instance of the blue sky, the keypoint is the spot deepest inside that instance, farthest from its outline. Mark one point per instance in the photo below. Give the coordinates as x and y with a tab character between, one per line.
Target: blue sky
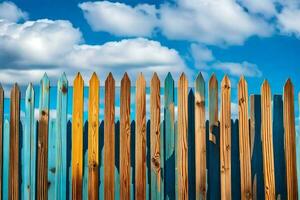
259	39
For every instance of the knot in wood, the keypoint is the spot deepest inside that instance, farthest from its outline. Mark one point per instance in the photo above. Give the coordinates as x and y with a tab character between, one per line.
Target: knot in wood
64	89
241	101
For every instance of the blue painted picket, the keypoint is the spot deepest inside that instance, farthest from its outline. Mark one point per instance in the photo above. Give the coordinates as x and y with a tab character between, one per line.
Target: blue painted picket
29	147
61	138
6	137
52	160
169	114
278	143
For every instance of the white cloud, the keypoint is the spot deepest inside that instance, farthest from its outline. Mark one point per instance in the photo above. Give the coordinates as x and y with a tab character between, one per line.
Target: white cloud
9	11
34	47
288	21
201	55
263	7
238	69
210	22
120	19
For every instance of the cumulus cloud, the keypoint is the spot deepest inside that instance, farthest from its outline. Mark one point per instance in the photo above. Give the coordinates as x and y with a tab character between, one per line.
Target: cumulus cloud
201	55
288	21
120	19
33	47
263	7
9	11
238	69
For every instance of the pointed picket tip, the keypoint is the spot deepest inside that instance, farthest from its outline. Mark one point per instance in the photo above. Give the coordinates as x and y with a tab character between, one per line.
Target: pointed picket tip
109	78
265	86
213	78
288	84
45	79
15	87
155	77
169	75
140	77
182	76
200	78
63	77
125	78
29	87
226	81
78	79
94	78
242	81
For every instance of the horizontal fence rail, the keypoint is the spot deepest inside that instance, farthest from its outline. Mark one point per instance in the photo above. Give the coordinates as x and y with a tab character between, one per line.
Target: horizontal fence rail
172	148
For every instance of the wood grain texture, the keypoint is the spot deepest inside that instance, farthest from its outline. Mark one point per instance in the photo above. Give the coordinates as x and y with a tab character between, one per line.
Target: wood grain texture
267	141
200	138
52	160
77	137
61	138
182	148
169	135
155	136
29	147
225	139
125	144
290	142
213	142
244	140
93	138
140	138
1	135
14	142
109	138
256	148
42	162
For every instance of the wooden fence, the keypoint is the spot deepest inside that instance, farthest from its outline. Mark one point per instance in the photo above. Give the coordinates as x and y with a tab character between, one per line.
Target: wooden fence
176	156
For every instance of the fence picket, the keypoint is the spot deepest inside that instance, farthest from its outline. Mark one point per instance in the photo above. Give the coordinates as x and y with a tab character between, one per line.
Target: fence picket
267	142
77	138
290	143
169	135
93	138
61	138
225	139
42	153
213	145
1	135
256	148
155	137
200	138
140	139
298	148
244	140
5	177
125	158
182	150
14	157
29	146
278	143
109	138
52	160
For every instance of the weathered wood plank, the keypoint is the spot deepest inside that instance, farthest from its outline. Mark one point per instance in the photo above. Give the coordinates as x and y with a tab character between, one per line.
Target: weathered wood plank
244	140
93	138
235	161
225	139
77	138
213	145
1	136
61	138
200	138
140	138
125	158
169	135
278	142
182	148
29	144
5	177
267	141
256	148
298	148
290	142
109	138
162	160
42	160
14	157
155	137
52	160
